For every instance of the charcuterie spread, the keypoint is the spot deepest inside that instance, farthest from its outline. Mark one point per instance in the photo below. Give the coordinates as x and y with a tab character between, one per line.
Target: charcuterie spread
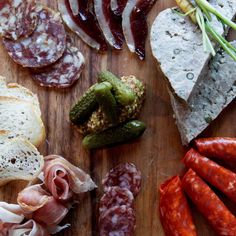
101	124
120	185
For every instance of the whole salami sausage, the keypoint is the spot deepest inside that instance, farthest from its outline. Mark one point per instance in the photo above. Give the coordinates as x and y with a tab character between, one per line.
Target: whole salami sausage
218	176
219	148
207	202
116	196
65	72
175	214
125	175
18	18
118	220
44	47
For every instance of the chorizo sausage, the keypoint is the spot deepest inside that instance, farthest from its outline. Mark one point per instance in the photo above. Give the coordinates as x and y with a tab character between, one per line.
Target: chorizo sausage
175	214
212	208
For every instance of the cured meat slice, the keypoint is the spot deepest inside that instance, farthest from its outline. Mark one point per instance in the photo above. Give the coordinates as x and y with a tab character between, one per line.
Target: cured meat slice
84	24
17	18
63	179
109	23
175	214
44	47
29	228
125	175
207	202
118	6
64	73
134	24
118	220
116	196
218	176
218	148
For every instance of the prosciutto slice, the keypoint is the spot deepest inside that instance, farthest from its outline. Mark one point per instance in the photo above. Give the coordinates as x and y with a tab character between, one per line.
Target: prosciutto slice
64	179
83	22
43	207
134	24
118	6
30	228
109	23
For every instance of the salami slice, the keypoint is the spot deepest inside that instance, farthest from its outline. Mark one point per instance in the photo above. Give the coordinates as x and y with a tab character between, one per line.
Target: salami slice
116	196
175	214
118	220
212	208
18	18
218	148
65	72
218	176
44	47
125	176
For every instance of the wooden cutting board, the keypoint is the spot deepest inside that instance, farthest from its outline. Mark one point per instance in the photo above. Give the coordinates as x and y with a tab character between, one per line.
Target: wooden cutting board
157	154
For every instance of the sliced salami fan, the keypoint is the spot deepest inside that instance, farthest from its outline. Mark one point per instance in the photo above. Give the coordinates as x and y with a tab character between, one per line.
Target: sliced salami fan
116	196
118	6
125	176
44	47
65	72
118	220
18	18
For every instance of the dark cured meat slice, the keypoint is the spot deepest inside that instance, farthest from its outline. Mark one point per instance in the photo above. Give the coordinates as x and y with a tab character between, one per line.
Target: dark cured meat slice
124	175
218	148
44	47
175	214
118	6
207	202
117	221
116	196
84	24
17	18
218	176
134	24
64	73
109	23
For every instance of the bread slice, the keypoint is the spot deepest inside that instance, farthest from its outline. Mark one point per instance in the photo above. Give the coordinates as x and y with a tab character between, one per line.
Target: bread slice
19	160
17	91
213	93
20	119
177	45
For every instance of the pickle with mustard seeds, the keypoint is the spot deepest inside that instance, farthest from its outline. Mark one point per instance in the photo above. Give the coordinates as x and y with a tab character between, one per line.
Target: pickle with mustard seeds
123	94
106	101
116	135
84	107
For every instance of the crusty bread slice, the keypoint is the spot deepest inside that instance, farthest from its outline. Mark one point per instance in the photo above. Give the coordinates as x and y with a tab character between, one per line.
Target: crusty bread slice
17	91
20	119
19	160
214	92
177	45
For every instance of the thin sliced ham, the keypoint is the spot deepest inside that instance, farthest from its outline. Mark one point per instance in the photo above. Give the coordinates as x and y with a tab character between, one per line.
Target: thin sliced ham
134	24
109	23
43	207
118	6
64	179
84	24
30	228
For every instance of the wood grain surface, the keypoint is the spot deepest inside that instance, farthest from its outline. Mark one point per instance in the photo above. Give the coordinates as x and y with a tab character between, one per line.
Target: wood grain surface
157	154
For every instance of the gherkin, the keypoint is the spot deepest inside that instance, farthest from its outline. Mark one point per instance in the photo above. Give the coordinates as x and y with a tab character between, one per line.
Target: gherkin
98	122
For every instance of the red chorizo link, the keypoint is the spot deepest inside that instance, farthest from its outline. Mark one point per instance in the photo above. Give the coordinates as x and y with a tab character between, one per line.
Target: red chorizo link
175	214
207	202
219	148
223	179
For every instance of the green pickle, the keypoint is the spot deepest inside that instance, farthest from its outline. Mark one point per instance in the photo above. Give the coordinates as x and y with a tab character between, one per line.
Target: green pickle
84	107
123	94
106	101
120	134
